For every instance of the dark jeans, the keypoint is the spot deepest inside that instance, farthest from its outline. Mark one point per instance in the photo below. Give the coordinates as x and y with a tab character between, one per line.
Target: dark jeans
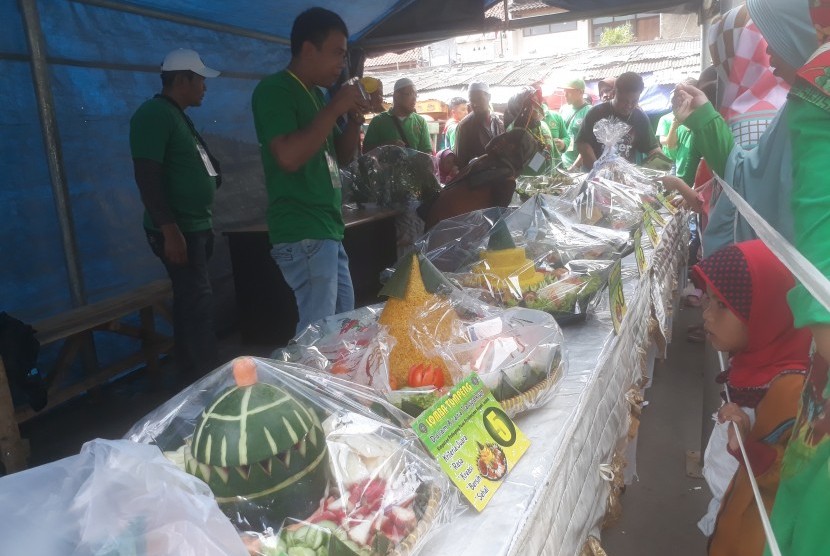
193	309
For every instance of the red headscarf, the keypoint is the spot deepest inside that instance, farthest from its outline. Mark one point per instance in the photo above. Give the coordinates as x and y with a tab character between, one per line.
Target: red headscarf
754	284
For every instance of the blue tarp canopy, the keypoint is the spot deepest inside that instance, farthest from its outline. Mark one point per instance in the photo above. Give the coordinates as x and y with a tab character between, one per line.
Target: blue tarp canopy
101	60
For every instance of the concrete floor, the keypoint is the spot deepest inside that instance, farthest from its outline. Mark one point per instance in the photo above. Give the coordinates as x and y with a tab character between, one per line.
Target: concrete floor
661	510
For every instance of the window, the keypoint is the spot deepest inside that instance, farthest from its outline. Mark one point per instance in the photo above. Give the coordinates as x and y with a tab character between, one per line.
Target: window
645	27
549	28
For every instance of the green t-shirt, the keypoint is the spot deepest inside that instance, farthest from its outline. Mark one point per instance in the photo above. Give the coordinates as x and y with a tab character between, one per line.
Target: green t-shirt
302	204
383	131
449	134
663	128
687	155
159	132
573	123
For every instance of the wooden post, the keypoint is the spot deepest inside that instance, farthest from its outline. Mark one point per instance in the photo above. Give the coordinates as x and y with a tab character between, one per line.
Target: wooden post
13	451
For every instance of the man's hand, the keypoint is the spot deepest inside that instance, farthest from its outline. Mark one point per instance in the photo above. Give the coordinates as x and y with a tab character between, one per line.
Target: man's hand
175	246
732	412
671	183
350	99
685	100
560	144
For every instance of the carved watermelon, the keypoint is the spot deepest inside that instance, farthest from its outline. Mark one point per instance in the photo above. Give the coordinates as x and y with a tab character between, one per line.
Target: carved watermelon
259	444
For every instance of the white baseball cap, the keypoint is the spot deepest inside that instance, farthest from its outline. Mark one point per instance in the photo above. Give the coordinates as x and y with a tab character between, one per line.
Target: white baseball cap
183	59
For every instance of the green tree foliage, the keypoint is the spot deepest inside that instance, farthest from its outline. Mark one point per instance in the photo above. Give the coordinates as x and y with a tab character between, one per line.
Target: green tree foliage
621	34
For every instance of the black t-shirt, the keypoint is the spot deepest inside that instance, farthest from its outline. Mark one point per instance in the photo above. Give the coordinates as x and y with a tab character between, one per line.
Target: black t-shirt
641	137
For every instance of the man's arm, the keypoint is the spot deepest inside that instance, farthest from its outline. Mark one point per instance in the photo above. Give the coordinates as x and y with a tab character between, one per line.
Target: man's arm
347	143
424	141
460	148
149	176
292	150
586	152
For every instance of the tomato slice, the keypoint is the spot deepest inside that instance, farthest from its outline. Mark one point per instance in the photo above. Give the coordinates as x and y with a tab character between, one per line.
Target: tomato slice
424	374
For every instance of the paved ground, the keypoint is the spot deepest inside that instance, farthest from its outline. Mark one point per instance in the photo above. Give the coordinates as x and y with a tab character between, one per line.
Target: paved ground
661	510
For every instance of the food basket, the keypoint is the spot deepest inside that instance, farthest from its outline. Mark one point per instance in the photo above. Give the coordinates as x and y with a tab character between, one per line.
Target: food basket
390	176
302	462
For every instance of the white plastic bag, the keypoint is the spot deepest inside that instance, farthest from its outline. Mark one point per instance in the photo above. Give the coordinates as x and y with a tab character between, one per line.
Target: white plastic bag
719	467
116	498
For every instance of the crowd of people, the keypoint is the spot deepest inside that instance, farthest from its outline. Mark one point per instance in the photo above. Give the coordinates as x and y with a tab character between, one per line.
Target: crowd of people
758	119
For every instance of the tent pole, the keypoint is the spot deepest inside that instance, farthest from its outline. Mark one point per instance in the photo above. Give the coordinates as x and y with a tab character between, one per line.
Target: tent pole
49	128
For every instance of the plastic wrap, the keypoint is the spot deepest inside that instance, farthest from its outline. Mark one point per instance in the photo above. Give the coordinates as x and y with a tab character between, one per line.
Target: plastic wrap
554	184
115	497
604	203
390	176
302	462
416	347
613	166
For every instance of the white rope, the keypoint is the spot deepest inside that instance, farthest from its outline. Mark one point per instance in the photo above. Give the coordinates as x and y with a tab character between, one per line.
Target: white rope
762	510
810	277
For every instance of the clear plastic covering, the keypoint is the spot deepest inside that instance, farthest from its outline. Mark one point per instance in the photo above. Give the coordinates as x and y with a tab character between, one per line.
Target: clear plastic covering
303	462
390	176
553	184
604	203
517	352
612	166
115	497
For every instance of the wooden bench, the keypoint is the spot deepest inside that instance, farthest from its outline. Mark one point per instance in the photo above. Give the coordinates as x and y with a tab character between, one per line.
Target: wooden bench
75	328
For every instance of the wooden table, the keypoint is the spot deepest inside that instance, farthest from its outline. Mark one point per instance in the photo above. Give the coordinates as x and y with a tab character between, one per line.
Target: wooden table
266	304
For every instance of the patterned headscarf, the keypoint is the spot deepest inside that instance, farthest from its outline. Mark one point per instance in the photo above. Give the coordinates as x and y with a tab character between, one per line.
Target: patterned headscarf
754	284
749	93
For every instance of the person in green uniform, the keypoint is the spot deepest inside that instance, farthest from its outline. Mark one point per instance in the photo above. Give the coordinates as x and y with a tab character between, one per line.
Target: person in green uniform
400	125
177	177
802	508
301	147
667	134
458	111
555	127
573	114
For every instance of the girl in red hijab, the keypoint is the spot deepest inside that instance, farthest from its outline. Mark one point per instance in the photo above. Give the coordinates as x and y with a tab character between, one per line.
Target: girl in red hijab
746	315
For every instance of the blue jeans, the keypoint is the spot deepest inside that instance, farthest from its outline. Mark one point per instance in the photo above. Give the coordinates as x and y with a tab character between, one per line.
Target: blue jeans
318	272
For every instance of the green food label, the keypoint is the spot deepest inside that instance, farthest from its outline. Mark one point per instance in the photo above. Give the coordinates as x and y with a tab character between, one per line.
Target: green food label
616	296
639	254
651	231
666	203
656	217
472	438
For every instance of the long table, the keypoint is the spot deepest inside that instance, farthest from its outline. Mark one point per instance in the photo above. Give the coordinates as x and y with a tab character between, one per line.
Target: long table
558	493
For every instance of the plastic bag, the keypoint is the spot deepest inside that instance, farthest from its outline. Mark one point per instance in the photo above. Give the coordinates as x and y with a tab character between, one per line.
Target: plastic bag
302	460
553	184
390	176
612	164
115	497
604	203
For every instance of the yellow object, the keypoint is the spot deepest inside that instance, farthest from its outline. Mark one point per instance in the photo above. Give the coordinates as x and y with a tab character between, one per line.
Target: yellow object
398	314
507	266
370	84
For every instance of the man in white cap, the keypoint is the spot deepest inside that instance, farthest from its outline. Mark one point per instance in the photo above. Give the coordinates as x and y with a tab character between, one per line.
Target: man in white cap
400	125
177	177
478	128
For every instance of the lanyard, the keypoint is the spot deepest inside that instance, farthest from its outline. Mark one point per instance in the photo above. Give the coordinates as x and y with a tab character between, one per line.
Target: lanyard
315	101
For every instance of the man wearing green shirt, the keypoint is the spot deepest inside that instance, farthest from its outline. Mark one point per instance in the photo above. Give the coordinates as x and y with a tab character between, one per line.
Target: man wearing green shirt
400	125
301	146
573	114
177	178
458	111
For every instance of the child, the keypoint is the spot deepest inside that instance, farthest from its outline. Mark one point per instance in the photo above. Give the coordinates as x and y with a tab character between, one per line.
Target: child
447	166
746	314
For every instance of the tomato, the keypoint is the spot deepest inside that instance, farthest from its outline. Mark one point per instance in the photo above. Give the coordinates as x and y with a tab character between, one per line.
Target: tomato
424	374
340	368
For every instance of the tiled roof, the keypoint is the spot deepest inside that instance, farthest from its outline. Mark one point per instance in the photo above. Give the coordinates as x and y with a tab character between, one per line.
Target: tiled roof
408	56
521	7
668	61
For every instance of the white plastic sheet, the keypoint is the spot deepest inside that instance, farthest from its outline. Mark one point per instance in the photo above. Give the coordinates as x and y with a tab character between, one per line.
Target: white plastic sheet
115	498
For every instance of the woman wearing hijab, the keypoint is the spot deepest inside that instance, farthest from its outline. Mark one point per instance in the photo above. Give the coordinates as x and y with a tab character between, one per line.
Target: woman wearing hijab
801	514
524	110
746	315
763	174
